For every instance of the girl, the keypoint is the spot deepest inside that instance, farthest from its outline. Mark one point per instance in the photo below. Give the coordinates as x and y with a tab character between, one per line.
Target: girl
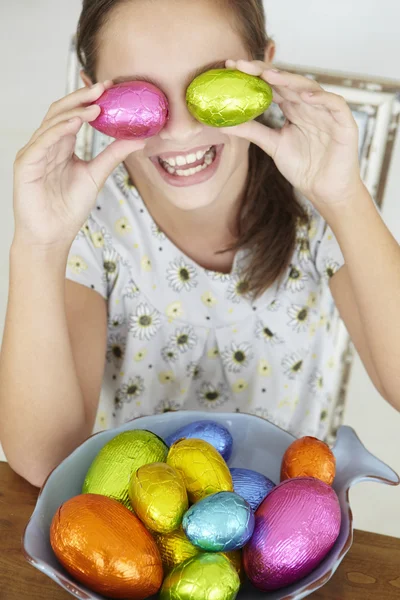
205	267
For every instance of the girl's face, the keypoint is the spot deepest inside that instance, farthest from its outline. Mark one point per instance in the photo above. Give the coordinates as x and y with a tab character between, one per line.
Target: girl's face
169	42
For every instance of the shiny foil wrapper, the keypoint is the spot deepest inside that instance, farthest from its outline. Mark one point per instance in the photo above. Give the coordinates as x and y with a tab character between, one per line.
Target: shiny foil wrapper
309	457
236	559
175	548
203	577
227	97
296	527
219	523
105	547
251	485
131	110
203	469
111	470
158	496
214	433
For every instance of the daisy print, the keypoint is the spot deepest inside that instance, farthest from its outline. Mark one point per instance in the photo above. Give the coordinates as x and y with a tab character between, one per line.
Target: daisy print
299	317
238	289
116	350
184	339
140	355
131	290
181	276
169	354
77	264
274	306
330	268
156	231
304	252
293	365
208	299
145	323
264	368
124	182
166	377
166	406
84	231
237	357
129	391
222	277
212	396
194	371
97	239
122	226
296	280
116	321
264	333
316	382
240	386
174	310
110	262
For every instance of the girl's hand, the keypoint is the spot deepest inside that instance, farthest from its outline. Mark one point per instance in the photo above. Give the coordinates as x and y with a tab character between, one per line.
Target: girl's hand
54	191
317	149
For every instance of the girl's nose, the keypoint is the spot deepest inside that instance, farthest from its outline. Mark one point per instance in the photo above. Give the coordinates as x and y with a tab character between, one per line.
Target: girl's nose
181	126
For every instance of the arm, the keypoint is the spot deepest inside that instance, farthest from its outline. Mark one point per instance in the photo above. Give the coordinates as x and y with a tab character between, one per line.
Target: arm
51	363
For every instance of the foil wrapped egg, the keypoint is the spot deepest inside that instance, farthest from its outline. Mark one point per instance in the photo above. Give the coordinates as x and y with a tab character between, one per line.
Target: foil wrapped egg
235	557
131	110
158	496
111	470
203	469
251	486
202	577
226	97
174	548
296	527
309	457
105	547
219	523
214	433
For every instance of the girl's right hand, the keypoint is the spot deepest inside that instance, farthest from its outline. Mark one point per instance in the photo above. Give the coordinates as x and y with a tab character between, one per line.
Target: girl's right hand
54	191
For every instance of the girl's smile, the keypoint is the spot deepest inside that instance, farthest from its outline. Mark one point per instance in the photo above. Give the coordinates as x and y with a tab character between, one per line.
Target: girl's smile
189	168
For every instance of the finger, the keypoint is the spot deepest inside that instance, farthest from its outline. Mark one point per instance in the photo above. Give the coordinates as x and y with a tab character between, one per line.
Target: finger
39	150
83	96
86	114
101	167
290	85
261	135
336	104
255	68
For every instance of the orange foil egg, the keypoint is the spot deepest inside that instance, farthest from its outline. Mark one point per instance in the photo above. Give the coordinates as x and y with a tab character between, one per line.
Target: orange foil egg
105	547
309	457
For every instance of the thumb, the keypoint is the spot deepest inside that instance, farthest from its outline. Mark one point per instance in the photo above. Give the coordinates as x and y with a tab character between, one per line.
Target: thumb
103	165
261	135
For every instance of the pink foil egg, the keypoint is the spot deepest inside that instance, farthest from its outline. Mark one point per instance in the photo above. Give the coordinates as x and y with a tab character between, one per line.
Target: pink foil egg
296	526
131	110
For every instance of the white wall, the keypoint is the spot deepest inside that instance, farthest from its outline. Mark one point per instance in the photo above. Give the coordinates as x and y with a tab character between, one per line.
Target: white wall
360	36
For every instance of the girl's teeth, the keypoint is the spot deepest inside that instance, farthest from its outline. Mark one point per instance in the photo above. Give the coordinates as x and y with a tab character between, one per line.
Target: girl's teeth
208	155
180	161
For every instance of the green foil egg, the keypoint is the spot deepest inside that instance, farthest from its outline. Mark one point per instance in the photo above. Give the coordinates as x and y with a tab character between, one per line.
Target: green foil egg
158	496
202	577
227	97
111	470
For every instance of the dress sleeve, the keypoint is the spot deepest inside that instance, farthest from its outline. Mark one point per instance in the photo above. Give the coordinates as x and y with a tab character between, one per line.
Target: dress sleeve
86	259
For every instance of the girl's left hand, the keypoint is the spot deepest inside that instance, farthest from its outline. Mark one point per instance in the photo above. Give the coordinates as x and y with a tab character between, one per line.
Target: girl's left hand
317	148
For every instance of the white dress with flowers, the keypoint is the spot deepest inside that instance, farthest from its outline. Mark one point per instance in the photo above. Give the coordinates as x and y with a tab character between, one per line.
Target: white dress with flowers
182	337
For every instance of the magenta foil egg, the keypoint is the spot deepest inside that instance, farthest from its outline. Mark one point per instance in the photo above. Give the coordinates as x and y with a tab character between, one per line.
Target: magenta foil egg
131	110
296	526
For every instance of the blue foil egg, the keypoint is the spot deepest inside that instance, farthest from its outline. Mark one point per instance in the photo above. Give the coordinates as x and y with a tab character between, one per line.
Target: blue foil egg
219	523
251	485
214	433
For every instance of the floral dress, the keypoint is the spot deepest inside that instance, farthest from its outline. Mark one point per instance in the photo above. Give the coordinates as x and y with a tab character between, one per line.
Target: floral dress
183	337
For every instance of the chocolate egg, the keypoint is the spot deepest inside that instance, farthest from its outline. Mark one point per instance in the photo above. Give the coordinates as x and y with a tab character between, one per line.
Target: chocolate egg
203	469
226	97
214	433
251	486
219	523
203	577
235	557
131	110
309	457
174	548
296	527
158	496
111	470
105	547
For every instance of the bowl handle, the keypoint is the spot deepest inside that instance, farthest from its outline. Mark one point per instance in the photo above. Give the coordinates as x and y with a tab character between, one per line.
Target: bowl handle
357	463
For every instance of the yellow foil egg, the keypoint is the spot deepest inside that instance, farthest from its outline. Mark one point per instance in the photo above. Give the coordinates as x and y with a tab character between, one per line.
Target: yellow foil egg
111	470
203	469
175	548
236	560
158	496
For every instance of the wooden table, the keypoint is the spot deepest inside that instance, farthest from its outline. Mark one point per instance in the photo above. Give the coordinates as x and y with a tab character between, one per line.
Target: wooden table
371	570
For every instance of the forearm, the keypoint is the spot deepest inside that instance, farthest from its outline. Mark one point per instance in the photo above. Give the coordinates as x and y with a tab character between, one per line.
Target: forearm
41	404
372	257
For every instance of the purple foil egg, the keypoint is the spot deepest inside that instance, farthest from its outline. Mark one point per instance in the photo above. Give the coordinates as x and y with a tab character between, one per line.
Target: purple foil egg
131	110
252	486
214	433
296	526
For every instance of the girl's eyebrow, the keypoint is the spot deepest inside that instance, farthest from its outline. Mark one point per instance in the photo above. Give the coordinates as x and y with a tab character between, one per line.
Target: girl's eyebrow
219	64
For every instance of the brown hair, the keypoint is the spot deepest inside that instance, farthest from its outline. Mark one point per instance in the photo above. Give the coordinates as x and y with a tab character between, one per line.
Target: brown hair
270	211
